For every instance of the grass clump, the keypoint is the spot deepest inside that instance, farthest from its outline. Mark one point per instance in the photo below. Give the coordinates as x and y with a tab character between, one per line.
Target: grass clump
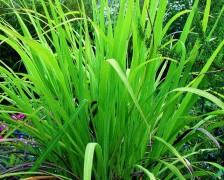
96	101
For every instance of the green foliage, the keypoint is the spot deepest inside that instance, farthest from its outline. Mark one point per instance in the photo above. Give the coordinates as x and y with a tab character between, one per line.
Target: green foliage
96	103
211	38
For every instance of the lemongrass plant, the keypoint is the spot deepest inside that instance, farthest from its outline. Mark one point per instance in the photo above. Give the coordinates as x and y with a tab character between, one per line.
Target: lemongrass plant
96	102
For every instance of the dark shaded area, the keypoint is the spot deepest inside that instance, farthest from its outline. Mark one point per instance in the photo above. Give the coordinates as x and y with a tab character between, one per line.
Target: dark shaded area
11	58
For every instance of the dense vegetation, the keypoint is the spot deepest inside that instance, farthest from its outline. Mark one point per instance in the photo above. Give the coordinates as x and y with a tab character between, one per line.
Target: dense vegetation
111	89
